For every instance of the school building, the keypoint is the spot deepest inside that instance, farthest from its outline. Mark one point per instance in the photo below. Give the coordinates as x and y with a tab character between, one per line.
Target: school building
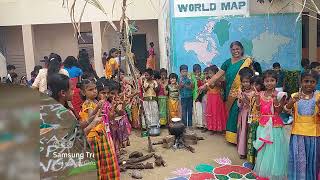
32	29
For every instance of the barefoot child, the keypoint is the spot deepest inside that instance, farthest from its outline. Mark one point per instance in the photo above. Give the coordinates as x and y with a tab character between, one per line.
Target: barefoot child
162	98
204	99
197	106
245	95
150	104
253	120
101	144
271	142
186	87
173	97
216	112
120	102
304	154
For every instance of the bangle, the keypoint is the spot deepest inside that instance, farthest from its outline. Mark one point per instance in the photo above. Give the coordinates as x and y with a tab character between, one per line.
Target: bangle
287	109
276	106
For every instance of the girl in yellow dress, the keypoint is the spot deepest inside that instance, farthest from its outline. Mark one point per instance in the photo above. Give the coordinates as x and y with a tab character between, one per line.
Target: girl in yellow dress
173	97
112	65
101	143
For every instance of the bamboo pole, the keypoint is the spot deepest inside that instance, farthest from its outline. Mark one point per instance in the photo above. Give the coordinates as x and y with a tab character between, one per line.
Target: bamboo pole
126	47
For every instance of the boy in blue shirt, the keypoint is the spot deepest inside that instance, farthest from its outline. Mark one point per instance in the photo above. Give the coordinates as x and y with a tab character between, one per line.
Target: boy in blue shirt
186	87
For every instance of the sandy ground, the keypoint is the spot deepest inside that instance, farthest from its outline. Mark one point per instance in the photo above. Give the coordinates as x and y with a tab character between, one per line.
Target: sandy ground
214	146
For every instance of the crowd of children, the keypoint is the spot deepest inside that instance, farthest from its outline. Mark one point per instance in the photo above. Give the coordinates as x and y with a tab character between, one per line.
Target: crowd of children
109	107
261	136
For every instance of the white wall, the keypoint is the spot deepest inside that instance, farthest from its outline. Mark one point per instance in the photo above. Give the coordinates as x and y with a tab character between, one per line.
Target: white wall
110	38
57	38
18	12
13	47
164	32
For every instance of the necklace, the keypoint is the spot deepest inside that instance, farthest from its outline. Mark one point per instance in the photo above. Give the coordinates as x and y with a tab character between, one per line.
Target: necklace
306	96
267	96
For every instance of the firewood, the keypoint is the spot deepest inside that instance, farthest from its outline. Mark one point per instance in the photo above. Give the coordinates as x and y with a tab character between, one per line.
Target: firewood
200	138
168	139
140	159
135	154
190	136
157	143
190	148
136	174
139	166
123	169
159	161
191	141
167	145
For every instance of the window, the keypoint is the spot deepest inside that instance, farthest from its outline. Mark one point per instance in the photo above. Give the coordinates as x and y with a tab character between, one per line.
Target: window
86	38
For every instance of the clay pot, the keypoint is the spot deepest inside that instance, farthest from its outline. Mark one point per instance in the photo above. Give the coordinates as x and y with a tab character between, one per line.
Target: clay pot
176	127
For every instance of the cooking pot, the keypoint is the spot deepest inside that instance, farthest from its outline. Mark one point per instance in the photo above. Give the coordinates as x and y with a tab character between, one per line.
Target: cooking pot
154	130
176	127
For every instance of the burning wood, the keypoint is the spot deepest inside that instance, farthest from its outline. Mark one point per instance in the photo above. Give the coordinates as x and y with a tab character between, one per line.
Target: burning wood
186	140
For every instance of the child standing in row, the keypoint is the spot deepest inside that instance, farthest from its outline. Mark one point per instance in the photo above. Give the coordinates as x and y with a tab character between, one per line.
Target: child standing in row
162	98
150	105
271	142
304	154
204	99
197	105
245	95
121	118
216	112
173	97
186	87
97	136
253	120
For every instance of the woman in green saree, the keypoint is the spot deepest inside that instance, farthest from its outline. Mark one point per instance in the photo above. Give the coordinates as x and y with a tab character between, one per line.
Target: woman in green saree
230	69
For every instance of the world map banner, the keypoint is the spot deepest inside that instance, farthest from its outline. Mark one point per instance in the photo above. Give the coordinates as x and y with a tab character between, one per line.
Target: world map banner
196	8
266	38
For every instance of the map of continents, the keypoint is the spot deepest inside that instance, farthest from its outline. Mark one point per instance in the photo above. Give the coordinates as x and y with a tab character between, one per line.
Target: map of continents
206	40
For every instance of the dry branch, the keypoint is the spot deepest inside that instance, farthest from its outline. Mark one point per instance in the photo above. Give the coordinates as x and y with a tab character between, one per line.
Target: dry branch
140	159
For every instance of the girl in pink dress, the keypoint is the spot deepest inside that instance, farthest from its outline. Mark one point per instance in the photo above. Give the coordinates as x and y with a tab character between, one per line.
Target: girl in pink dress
245	95
216	112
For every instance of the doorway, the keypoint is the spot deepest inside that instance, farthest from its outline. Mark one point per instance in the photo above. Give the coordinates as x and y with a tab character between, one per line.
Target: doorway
139	48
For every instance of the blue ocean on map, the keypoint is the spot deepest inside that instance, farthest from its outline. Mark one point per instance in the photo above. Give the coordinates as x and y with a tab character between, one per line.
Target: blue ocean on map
266	38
